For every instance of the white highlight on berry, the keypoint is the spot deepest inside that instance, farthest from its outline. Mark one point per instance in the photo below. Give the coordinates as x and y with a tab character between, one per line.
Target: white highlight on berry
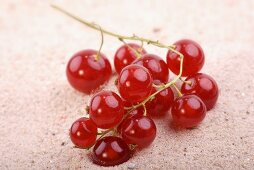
128	83
81	72
78	133
125	61
104	155
182	111
99	110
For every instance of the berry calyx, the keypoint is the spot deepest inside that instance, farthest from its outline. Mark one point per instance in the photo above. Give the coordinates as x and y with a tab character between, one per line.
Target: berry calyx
138	130
110	151
204	86
106	109
125	55
86	71
83	133
135	83
156	66
194	57
188	111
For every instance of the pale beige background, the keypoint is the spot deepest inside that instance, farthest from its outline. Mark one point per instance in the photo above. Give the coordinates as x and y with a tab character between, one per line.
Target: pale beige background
37	105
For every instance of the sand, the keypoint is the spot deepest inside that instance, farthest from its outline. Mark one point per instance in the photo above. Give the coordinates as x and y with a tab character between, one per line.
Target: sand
37	105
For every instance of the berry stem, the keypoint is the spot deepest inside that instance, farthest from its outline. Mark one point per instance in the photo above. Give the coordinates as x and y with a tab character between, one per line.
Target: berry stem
104	133
184	81
141	46
177	90
145	111
96	27
97	57
157	86
137	53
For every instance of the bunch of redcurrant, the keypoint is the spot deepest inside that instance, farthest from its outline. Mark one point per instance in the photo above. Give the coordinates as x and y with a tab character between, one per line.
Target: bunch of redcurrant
145	91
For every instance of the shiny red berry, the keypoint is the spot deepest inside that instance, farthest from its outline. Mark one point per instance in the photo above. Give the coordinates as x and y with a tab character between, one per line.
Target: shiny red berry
194	57
110	151
83	133
135	83
162	102
188	111
204	86
106	109
125	56
138	130
85	73
136	112
156	66
126	103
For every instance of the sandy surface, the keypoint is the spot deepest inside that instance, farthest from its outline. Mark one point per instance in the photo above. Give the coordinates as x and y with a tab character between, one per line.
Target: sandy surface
37	105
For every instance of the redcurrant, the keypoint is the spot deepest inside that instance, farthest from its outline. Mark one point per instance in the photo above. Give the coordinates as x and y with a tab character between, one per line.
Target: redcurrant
188	111
138	130
106	109
204	86
86	73
156	66
136	112
135	83
161	102
110	151
83	133
193	57
125	55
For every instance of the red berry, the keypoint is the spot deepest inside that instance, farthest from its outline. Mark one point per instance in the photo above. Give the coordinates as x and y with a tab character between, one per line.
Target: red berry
138	130
135	83
85	73
83	133
156	66
193	57
125	56
110	151
161	103
188	111
136	112
126	103
204	86
106	109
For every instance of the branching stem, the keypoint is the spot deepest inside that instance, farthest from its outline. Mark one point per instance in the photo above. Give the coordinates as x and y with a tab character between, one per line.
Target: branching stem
134	38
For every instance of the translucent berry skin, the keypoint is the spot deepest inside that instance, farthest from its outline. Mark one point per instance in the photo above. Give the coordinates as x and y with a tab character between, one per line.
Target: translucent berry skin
83	133
156	66
162	102
188	111
126	103
106	109
85	73
194	57
135	83
138	130
110	151
204	86
125	56
136	112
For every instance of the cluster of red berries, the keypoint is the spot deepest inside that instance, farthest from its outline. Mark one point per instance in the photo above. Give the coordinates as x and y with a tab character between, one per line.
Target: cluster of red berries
144	92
